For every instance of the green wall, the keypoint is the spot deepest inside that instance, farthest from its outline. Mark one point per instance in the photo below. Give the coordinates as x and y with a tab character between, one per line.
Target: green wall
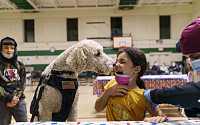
107	51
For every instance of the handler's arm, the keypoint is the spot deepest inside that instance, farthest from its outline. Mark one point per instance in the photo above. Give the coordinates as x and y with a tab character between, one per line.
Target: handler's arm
187	95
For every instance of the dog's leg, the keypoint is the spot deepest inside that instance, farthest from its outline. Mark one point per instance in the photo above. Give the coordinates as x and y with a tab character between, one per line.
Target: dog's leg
35	119
45	114
49	103
73	116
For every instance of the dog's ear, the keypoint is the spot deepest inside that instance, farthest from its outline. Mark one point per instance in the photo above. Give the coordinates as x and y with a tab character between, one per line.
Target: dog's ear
77	60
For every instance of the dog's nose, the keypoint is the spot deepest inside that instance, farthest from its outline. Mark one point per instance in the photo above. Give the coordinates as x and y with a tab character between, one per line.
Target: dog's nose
114	64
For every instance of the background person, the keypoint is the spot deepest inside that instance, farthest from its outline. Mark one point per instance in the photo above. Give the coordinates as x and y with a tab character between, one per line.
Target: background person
155	67
12	84
164	69
174	68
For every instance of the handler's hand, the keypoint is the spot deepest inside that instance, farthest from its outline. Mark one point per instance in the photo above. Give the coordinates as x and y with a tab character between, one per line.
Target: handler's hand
118	90
13	102
157	119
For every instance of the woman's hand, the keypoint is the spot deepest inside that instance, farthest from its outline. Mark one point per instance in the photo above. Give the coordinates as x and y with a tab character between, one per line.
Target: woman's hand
157	119
118	90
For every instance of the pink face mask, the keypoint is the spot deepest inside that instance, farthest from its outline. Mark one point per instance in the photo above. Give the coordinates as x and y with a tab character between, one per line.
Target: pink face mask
123	79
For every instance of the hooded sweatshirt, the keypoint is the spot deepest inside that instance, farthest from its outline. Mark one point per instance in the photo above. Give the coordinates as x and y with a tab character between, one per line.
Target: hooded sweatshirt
12	76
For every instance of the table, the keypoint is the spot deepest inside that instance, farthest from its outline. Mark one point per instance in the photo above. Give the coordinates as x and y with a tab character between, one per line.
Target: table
151	82
172	122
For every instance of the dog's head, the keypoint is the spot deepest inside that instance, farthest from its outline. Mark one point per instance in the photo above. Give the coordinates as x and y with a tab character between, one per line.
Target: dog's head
87	55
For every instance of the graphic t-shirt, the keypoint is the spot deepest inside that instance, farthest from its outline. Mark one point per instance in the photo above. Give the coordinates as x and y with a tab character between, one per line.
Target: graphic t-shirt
130	107
11	74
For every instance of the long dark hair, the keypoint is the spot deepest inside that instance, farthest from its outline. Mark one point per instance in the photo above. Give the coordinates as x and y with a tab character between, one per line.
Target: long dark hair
138	58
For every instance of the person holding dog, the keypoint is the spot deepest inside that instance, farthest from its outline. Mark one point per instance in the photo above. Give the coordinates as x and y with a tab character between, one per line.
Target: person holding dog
123	96
12	84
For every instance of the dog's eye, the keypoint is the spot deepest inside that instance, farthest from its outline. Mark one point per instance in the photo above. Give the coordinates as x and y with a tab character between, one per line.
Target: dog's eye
98	53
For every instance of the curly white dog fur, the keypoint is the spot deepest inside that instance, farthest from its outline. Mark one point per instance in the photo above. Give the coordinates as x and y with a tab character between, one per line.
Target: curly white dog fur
87	55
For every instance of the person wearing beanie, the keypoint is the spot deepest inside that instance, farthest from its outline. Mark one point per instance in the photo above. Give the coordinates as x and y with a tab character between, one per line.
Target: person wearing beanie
192	52
12	84
187	95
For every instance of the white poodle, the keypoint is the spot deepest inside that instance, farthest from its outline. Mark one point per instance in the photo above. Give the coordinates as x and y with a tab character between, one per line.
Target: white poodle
87	55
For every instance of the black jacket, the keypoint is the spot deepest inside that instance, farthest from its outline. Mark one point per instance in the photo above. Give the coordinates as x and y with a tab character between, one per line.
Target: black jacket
12	76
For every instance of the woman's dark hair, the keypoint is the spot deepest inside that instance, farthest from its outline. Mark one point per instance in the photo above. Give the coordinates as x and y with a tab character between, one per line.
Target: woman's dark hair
138	58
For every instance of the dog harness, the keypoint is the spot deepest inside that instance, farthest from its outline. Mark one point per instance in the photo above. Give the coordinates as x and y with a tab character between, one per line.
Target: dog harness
67	88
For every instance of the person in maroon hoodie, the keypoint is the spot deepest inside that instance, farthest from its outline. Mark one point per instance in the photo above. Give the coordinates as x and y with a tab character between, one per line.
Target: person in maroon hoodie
12	84
187	95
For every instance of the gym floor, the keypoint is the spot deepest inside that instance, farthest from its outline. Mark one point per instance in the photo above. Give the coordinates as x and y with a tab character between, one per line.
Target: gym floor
86	111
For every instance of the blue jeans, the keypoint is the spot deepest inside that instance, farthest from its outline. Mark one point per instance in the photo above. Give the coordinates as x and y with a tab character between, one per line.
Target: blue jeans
19	112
